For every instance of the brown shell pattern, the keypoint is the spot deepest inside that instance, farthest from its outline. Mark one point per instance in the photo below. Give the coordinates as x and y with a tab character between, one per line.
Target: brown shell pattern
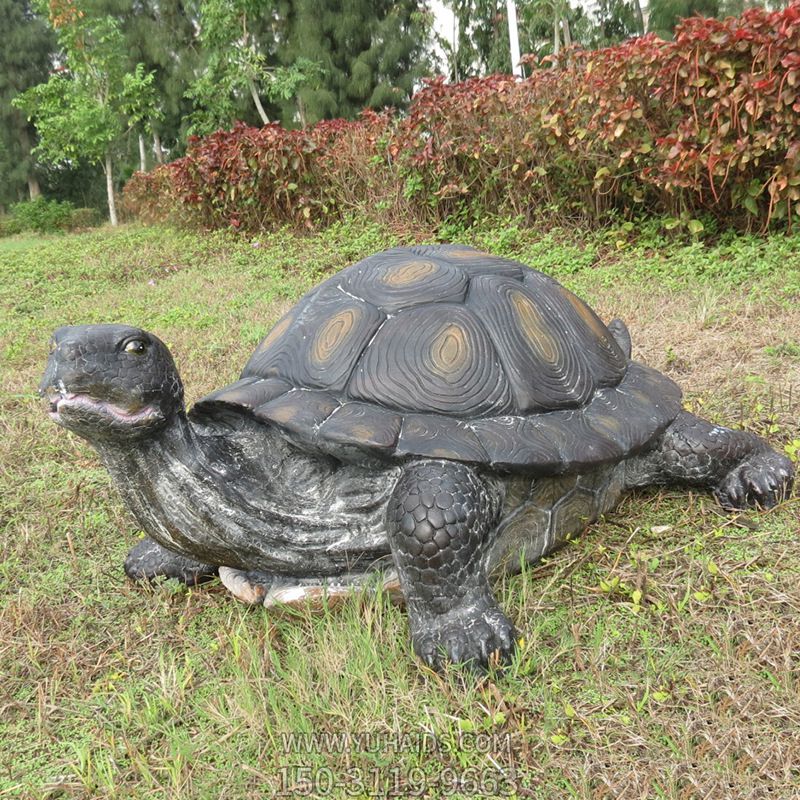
442	351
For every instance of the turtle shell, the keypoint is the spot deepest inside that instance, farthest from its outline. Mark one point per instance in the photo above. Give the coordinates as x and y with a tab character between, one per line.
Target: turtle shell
447	352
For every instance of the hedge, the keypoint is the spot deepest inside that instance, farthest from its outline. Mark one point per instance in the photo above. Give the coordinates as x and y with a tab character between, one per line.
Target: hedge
706	125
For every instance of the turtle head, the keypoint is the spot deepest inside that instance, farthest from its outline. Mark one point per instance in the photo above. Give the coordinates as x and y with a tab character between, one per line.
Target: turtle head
110	382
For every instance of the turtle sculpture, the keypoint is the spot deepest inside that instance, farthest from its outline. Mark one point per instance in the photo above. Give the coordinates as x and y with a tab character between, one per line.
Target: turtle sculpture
433	414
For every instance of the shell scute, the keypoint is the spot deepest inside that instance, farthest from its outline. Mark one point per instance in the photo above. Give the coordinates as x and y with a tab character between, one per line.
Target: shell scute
436	436
435	358
318	343
362	423
300	412
581	445
542	353
248	393
512	441
606	361
473	262
404	280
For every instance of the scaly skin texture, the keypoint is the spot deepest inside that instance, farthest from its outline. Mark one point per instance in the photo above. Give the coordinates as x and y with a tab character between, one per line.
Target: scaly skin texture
441	516
439	520
148	560
739	467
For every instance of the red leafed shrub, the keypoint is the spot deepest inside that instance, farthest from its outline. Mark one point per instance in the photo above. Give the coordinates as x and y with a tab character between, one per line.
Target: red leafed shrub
250	177
715	115
354	163
255	178
492	144
707	124
150	196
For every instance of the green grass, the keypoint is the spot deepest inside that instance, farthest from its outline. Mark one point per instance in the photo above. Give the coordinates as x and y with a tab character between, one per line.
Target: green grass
661	652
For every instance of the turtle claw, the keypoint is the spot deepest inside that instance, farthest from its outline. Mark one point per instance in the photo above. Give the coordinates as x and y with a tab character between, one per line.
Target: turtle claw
762	479
148	561
476	638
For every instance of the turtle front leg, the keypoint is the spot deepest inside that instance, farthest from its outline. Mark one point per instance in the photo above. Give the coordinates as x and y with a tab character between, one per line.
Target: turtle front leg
739	467
439	520
148	560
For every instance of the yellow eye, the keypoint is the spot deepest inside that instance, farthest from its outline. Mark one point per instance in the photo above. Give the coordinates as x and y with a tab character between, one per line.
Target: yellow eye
136	347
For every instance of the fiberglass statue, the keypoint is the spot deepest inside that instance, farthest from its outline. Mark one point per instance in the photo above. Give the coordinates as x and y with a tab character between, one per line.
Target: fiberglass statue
432	413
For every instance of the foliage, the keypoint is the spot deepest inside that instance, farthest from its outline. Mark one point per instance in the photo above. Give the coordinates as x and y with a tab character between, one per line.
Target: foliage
252	178
664	15
616	21
235	62
151	197
138	100
161	35
85	106
47	216
711	119
25	48
9	226
370	55
82	109
70	122
83	218
700	128
706	124
482	45
43	216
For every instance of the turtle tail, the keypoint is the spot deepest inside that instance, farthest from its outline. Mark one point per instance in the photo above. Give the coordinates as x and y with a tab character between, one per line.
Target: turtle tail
619	330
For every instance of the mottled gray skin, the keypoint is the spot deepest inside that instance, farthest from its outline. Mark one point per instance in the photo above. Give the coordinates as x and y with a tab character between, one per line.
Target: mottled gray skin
230	491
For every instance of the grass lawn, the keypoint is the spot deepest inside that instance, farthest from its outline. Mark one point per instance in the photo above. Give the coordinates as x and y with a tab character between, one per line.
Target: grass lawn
661	652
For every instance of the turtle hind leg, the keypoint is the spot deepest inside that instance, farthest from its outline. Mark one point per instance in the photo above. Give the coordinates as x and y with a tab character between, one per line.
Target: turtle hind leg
262	588
148	560
439	519
739	467
249	586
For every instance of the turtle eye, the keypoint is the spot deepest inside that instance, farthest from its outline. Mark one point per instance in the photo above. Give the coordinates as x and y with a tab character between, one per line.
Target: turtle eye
136	347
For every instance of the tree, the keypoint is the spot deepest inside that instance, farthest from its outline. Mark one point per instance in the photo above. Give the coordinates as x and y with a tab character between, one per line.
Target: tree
663	15
235	62
25	51
545	26
238	39
371	54
482	44
163	36
616	20
141	106
82	111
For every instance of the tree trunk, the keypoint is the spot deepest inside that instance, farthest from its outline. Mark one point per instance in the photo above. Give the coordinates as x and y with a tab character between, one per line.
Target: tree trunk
257	100
513	38
566	31
456	35
33	187
556	37
250	82
142	155
112	205
157	148
637	8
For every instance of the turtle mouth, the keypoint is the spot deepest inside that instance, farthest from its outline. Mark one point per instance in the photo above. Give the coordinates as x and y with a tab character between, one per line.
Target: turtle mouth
83	404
